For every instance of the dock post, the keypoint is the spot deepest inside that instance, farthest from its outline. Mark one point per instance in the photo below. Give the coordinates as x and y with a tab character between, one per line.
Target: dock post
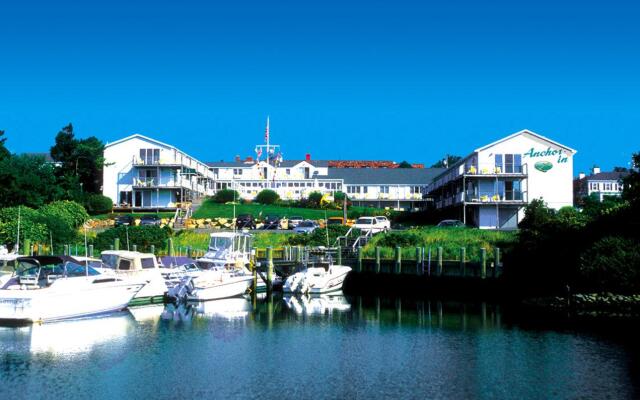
298	254
339	255
359	259
398	258
189	252
439	267
111	247
116	244
377	259
91	250
497	263
170	247
65	251
254	271
269	269
27	247
134	247
418	260
483	263
152	250
463	261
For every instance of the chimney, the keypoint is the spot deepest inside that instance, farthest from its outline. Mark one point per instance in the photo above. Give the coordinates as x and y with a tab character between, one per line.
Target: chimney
307	157
581	175
237	158
595	170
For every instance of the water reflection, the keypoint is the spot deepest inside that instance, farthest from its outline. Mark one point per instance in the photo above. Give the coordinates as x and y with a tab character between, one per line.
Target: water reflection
318	305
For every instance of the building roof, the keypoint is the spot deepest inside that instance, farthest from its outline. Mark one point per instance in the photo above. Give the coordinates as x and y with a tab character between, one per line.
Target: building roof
606	176
283	164
385	176
139	136
529	133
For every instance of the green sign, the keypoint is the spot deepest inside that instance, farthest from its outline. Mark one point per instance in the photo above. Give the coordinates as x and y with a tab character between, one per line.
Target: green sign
543	166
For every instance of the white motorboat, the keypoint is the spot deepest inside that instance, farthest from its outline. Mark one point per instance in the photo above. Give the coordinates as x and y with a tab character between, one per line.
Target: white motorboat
7	264
319	276
217	284
141	267
47	288
232	250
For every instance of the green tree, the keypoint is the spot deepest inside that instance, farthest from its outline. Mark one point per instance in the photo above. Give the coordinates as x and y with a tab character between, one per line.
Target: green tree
313	200
31	226
405	164
81	160
226	196
631	190
447	161
27	180
4	152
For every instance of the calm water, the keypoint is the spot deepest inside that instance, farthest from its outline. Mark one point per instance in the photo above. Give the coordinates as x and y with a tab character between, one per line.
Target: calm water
323	348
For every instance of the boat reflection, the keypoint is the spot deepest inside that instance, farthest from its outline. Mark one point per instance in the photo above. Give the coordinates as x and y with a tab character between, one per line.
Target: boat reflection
67	338
317	305
232	308
147	314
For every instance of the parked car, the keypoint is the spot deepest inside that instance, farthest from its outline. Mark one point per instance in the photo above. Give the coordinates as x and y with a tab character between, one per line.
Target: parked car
245	221
294	221
373	224
123	220
150	220
271	222
307	226
450	223
335	221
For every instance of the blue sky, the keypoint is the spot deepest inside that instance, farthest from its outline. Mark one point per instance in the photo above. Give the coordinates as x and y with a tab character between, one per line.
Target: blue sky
340	80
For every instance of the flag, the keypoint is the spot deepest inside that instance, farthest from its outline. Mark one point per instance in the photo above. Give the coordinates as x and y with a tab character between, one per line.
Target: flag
258	153
266	132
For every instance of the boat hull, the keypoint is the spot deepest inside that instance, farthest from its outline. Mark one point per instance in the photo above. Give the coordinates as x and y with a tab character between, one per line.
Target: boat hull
52	304
308	283
230	287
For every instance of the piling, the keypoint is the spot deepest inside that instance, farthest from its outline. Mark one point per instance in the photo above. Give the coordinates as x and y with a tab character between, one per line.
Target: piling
26	247
269	269
91	250
298	254
31	250
116	244
463	261
398	259
170	247
153	249
339	256
134	247
65	251
254	271
439	267
360	259
189	252
483	263
418	260
497	262
111	247
377	259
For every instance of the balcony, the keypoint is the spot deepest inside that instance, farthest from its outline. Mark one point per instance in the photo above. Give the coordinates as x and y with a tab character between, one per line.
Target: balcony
491	170
506	197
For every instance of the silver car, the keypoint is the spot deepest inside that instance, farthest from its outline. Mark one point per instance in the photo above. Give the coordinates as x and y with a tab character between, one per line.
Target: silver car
307	226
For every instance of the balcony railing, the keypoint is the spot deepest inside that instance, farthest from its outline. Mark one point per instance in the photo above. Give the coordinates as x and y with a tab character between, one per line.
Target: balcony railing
491	169
493	197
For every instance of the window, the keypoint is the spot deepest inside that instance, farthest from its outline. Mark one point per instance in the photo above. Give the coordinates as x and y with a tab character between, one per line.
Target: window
499	163
608	186
147	263
365	189
125	198
150	156
124	265
215	171
237	171
288	170
384	189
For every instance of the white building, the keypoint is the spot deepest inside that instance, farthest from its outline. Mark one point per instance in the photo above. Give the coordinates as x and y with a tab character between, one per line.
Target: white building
599	183
142	173
490	187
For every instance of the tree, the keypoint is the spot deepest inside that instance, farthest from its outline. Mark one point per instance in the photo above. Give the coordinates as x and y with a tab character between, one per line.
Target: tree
226	196
447	161
631	190
82	159
405	164
313	200
27	180
4	152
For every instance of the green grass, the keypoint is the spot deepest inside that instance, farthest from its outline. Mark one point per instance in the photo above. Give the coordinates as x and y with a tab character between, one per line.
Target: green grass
200	241
450	239
134	215
210	209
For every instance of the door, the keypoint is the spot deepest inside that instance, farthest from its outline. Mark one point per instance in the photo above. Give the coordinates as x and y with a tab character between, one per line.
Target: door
138	199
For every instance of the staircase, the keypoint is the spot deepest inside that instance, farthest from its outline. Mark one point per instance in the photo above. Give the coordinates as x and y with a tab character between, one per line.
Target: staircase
351	241
183	213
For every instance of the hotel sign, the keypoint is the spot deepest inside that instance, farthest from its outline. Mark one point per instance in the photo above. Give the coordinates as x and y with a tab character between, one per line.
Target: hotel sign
545	166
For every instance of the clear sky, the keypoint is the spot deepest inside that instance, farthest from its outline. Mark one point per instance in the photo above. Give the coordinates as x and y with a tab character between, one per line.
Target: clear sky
341	80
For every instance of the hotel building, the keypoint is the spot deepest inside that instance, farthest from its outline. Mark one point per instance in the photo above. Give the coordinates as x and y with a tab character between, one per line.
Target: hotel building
490	187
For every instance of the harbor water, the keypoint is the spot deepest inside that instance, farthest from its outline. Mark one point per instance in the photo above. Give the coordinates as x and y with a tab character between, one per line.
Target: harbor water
327	347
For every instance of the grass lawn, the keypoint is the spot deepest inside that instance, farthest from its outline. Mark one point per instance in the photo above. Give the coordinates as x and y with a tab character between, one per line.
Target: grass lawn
200	241
210	209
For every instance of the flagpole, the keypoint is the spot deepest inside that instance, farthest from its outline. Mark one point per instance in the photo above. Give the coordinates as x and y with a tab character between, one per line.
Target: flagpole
268	137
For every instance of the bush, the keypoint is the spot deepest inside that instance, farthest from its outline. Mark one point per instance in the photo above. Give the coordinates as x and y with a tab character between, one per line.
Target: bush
31	226
226	196
98	204
313	200
267	196
612	264
142	236
402	239
70	212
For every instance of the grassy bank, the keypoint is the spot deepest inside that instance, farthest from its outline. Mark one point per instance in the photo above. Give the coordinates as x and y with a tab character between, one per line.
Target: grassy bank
200	241
450	239
210	209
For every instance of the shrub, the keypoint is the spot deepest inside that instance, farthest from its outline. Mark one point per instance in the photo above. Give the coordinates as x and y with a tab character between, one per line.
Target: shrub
142	236
313	200
30	226
71	212
98	204
402	239
226	196
612	263
267	196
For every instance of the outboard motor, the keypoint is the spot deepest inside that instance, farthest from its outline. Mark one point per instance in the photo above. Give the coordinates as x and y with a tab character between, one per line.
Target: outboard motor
179	293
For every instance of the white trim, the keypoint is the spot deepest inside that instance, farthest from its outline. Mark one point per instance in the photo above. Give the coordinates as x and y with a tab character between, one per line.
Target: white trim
527	132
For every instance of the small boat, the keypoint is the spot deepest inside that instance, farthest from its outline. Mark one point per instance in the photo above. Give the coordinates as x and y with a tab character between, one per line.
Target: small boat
211	285
141	267
49	288
319	276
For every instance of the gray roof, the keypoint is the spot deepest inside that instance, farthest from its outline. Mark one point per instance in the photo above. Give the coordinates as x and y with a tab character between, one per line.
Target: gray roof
283	164
385	176
606	176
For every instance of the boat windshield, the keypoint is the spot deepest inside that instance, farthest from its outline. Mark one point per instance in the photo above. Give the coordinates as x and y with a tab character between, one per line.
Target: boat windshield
220	243
73	269
110	260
